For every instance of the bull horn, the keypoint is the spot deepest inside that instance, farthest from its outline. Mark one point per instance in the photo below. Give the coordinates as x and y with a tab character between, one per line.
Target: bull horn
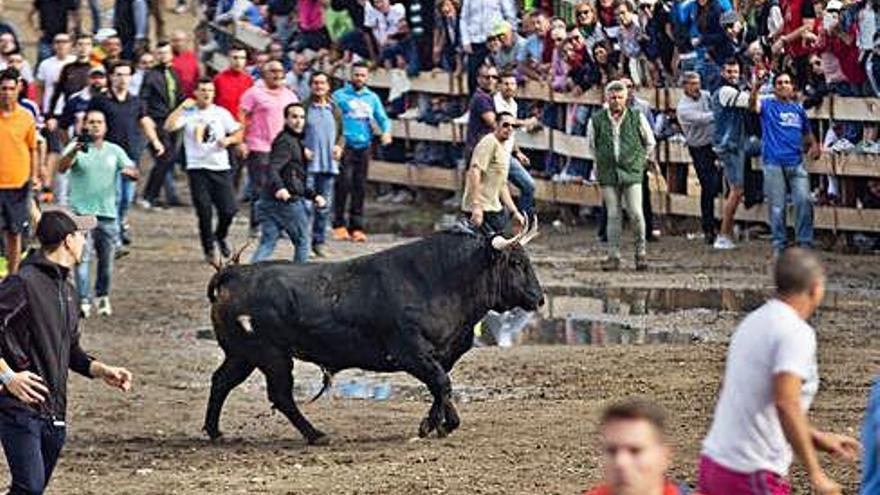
531	234
500	243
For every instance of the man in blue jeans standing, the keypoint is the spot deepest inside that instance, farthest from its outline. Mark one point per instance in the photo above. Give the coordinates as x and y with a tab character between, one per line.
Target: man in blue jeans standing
282	204
39	342
786	131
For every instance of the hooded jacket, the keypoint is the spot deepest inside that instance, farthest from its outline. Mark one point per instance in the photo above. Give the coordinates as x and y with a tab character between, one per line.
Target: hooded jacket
39	331
286	167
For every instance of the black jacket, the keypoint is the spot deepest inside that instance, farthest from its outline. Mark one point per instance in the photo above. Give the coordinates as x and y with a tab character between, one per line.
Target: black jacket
287	166
39	331
154	94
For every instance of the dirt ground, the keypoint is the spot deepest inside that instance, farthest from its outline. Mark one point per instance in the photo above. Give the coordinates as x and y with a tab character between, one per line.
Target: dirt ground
529	412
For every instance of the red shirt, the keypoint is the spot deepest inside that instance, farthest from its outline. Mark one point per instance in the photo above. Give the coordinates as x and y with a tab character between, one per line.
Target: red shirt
794	12
669	489
230	85
186	65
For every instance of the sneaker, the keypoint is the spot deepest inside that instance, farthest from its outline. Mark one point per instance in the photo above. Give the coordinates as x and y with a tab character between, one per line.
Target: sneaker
104	308
319	250
121	252
641	263
224	248
125	236
610	264
386	198
358	235
145	204
709	238
723	243
341	234
85	309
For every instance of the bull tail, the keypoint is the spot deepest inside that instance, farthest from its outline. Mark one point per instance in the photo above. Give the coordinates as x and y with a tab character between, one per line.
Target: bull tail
218	279
325	385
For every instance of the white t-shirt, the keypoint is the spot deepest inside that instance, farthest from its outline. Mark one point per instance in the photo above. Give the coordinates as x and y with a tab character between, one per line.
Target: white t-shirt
383	25
746	434
511	107
202	131
48	72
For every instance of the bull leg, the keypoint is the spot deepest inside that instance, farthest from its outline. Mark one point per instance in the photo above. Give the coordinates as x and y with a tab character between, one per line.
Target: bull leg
428	371
231	373
279	385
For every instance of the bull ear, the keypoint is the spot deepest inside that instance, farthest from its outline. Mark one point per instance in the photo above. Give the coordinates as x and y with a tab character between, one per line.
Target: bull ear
531	234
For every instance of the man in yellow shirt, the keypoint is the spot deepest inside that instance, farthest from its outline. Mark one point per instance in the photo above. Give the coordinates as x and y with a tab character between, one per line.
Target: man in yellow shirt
486	193
18	165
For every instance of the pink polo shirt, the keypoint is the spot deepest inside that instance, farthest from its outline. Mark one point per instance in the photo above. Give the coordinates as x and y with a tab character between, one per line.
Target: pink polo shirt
265	109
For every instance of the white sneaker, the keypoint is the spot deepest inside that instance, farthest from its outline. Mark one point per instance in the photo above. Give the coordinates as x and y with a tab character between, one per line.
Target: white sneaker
104	308
723	243
85	309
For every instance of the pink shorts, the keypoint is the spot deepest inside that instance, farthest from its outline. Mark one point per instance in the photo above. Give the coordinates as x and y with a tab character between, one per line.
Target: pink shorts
715	479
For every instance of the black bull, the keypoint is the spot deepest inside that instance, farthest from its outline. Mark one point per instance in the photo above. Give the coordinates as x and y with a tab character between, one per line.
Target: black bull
411	308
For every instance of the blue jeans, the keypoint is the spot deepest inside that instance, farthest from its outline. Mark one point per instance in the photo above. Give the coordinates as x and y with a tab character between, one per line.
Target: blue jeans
44	50
870	436
276	216
103	239
520	178
32	445
407	49
323	185
796	179
95	9
125	189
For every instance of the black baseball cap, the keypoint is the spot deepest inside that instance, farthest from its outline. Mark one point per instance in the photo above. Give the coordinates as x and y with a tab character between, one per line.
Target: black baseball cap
57	223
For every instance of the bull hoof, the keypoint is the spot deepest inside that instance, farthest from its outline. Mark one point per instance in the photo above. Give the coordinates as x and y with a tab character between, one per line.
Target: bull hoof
426	427
319	439
213	434
442	431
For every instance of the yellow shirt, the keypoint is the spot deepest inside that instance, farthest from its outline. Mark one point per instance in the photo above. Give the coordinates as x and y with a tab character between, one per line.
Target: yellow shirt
493	160
18	136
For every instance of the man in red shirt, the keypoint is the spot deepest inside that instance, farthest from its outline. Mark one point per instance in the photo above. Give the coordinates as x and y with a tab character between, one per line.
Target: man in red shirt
185	64
797	38
636	453
230	85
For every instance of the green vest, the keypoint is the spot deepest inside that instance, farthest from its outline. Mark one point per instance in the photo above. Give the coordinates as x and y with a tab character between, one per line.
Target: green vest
631	165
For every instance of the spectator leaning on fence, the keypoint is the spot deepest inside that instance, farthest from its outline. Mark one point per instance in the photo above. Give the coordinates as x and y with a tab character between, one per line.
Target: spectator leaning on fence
505	102
477	19
785	130
208	131
481	109
730	106
324	142
636	452
770	380
697	122
486	193
361	110
621	141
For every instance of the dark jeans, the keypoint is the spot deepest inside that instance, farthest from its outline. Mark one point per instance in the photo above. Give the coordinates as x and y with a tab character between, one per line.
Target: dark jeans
257	164
278	216
32	446
354	41
161	165
352	181
647	208
494	222
408	50
707	173
212	189
323	185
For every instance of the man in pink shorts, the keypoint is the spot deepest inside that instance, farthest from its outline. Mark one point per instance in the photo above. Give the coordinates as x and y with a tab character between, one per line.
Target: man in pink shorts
770	381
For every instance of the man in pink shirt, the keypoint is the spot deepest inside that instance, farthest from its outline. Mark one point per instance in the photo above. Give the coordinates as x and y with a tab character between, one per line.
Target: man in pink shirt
262	111
185	64
313	34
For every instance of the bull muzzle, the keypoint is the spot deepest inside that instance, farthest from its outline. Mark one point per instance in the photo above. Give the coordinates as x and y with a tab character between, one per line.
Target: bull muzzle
525	235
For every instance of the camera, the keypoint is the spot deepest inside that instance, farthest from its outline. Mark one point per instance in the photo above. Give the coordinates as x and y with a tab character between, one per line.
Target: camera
84	139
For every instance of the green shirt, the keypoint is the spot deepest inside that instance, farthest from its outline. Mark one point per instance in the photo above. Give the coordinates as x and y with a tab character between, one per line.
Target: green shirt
93	179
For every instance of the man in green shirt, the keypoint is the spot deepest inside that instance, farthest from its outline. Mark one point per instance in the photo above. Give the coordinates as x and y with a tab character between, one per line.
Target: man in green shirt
621	142
94	164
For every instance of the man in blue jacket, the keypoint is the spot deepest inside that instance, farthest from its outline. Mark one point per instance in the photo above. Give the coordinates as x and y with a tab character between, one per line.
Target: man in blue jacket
361	109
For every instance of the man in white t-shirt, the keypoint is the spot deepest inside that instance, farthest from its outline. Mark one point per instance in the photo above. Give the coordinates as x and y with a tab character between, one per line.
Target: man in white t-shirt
48	73
769	383
384	19
208	129
505	101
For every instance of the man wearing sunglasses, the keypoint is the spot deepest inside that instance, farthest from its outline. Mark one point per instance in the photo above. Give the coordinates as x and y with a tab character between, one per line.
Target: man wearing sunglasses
486	193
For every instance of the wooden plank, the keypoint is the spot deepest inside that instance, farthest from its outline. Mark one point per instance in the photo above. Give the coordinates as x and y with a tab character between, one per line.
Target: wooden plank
411	175
858	109
412	129
568	145
252	37
433	82
846	164
539	140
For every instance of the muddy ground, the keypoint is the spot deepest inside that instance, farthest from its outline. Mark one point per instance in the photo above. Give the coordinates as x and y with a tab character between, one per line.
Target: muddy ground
529	412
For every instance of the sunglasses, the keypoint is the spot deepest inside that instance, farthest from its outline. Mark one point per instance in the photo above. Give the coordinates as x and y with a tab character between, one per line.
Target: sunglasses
492	77
507	125
584	12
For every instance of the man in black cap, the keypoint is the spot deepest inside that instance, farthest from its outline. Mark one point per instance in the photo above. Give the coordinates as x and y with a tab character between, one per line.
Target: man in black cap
39	341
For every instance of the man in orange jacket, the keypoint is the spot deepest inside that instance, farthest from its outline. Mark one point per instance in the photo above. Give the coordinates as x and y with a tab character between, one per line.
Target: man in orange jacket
636	453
